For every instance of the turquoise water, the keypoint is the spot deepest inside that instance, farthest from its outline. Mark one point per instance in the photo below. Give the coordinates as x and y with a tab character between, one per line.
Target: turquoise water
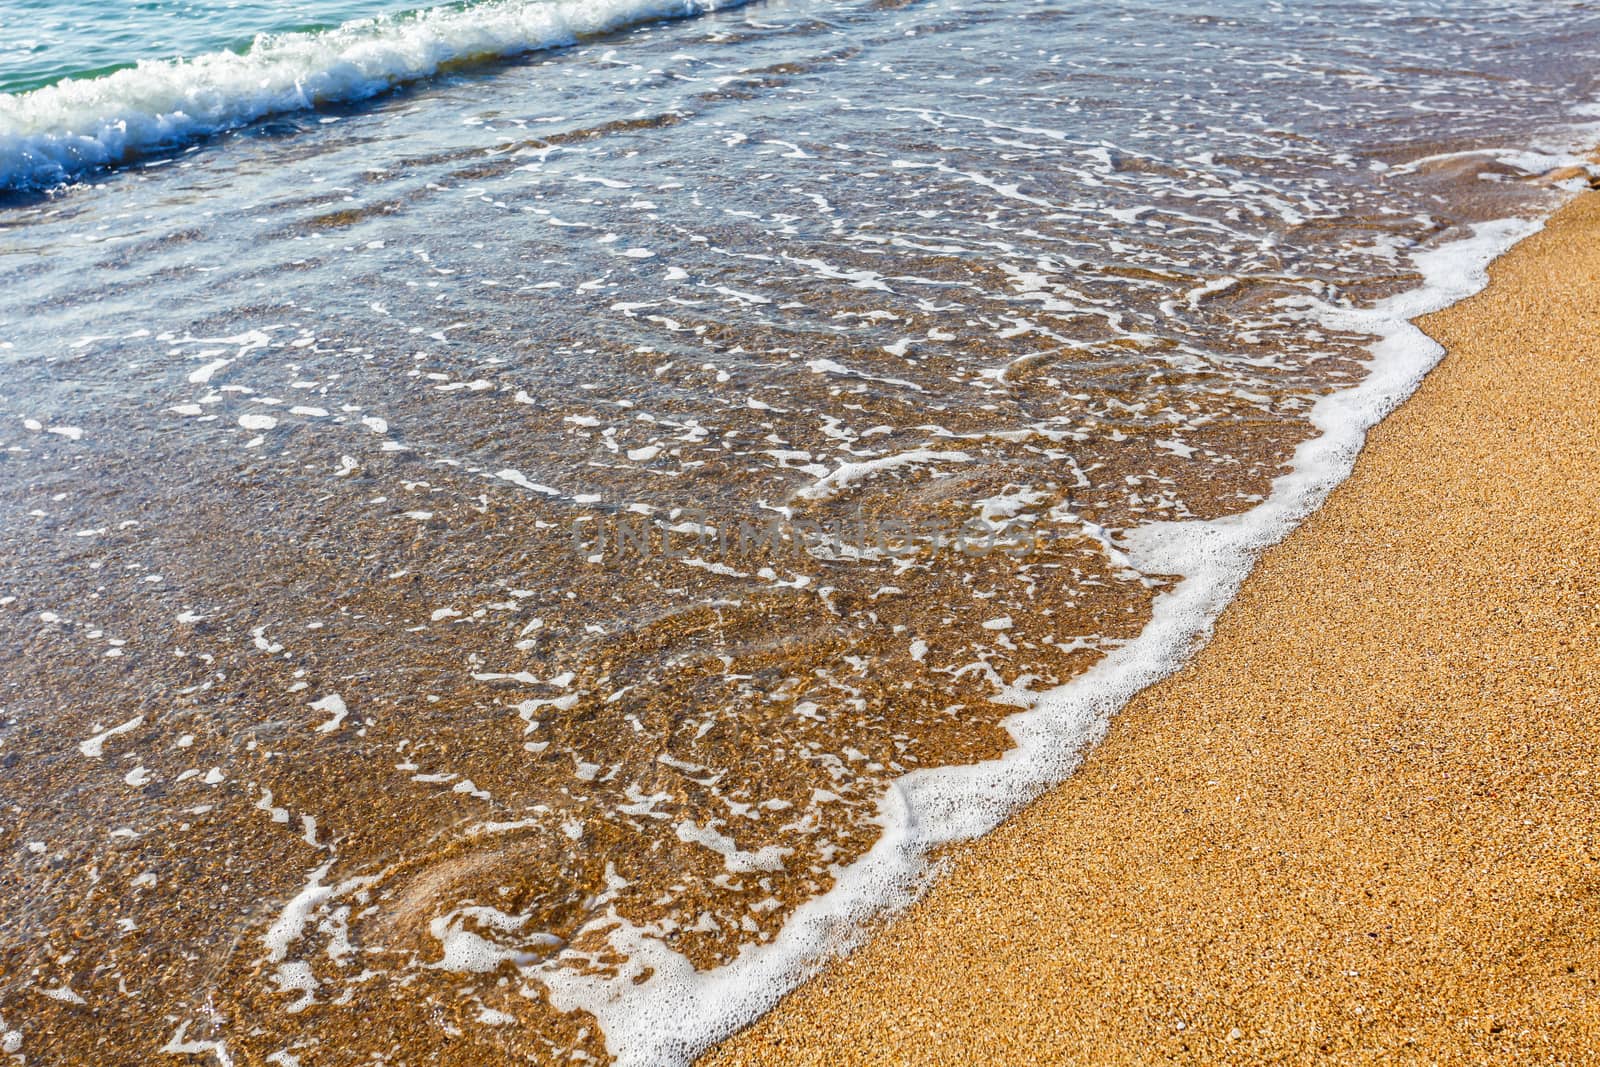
44	41
356	707
136	89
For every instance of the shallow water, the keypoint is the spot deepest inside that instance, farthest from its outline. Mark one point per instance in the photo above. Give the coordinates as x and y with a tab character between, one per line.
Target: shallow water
449	538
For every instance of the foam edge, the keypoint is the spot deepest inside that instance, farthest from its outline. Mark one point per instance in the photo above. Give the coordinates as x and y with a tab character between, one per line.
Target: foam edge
665	1012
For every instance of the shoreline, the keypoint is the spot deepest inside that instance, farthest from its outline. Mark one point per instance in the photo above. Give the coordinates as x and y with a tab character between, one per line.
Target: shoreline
932	811
1334	769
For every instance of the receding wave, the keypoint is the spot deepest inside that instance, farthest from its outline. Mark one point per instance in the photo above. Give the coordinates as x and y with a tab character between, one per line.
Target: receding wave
62	131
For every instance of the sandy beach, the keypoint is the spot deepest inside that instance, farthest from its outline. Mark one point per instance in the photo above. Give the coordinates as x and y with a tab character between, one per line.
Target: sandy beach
529	526
1362	824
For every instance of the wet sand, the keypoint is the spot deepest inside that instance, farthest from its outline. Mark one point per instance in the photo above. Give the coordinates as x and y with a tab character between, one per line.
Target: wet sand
1363	825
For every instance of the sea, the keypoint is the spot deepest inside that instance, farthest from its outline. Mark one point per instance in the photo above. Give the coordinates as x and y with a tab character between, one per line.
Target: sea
528	526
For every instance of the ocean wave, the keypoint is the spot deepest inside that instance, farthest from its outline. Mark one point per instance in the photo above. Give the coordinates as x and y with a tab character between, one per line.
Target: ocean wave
63	131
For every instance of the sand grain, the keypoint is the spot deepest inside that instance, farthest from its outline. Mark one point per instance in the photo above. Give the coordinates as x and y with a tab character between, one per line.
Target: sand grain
1362	825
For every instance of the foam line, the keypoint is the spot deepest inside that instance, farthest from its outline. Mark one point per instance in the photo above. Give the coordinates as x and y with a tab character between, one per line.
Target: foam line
676	1013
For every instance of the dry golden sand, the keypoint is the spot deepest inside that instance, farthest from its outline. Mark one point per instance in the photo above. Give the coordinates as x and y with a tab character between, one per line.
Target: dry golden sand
1362	825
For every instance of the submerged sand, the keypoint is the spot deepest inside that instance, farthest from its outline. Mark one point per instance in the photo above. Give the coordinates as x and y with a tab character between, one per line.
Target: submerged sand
1364	824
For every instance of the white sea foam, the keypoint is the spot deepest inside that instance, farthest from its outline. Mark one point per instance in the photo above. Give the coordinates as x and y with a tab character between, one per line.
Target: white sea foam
94	747
677	1012
52	134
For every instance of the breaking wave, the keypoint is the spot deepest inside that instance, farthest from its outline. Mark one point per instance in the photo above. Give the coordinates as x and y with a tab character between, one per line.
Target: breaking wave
74	127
